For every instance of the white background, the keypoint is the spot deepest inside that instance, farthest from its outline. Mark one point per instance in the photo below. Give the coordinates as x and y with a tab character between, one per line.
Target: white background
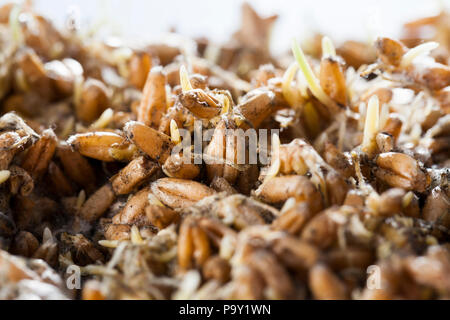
340	19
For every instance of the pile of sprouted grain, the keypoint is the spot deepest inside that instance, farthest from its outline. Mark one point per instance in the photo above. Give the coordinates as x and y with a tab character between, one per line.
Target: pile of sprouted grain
96	204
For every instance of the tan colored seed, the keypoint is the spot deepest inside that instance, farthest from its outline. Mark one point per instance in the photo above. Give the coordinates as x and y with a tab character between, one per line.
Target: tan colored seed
177	193
134	211
97	145
77	167
325	285
180	167
139	65
279	285
161	217
61	183
94	100
21	182
153	103
332	80
136	173
119	232
280	189
321	230
295	253
401	171
223	148
258	107
39	156
97	205
201	104
437	207
293	220
390	51
156	145
185	246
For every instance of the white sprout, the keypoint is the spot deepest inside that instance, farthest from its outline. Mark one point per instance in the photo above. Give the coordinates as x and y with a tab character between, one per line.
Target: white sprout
104	120
175	132
420	50
191	282
328	49
110	244
4	176
372	124
184	80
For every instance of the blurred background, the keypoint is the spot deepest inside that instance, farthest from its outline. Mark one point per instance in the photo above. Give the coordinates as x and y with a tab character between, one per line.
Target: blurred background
217	20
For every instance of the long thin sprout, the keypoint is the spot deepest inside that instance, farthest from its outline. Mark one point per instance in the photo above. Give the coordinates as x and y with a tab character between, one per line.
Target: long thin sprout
311	79
420	50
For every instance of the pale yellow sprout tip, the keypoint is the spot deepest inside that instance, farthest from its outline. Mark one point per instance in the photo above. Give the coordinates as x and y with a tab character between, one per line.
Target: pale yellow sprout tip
111	244
273	170
104	120
136	235
81	199
372	124
154	201
407	199
328	49
226	105
186	85
175	132
290	93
